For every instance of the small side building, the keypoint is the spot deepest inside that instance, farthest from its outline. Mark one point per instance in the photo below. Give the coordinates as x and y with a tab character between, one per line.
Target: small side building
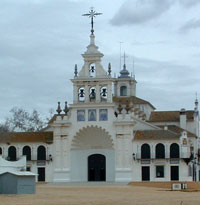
17	182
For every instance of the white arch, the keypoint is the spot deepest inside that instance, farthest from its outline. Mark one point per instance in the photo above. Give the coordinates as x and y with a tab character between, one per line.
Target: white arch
92	137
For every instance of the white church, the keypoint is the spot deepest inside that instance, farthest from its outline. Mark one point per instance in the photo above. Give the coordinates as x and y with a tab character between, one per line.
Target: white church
109	134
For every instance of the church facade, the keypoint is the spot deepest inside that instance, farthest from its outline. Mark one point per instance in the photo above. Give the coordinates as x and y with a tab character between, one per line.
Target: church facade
109	134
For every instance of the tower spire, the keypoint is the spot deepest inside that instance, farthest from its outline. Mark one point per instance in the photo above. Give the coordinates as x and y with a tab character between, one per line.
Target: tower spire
124	56
91	15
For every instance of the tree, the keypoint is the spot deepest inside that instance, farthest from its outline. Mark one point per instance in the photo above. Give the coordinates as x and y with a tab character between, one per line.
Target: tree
23	121
4	127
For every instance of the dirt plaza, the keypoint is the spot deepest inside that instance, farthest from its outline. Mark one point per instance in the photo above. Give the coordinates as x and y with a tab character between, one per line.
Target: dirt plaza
111	194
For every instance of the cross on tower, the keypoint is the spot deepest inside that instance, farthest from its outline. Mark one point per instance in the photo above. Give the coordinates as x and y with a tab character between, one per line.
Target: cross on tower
91	15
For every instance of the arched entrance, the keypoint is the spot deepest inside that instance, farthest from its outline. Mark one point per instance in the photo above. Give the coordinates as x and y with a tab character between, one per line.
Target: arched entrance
92	155
97	167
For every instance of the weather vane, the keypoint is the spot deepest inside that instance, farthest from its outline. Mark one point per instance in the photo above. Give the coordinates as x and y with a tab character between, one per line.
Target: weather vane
91	15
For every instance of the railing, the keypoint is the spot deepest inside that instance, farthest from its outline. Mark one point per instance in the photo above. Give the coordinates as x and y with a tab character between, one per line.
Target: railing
45	158
183	155
33	158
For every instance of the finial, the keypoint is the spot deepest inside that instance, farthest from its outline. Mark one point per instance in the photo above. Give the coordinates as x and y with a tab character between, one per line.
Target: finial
75	71
124	67
91	15
66	109
59	109
109	69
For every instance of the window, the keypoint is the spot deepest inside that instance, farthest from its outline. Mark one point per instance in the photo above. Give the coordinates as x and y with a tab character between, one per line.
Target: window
0	151
145	151
27	152
103	115
174	151
123	91
92	115
12	153
80	115
41	153
160	151
28	169
159	171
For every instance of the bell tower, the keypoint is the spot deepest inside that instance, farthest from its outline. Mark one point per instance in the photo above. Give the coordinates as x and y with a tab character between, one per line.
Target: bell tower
125	85
92	84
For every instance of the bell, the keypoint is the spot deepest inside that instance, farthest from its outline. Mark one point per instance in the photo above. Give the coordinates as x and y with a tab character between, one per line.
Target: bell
104	92
81	94
92	94
92	69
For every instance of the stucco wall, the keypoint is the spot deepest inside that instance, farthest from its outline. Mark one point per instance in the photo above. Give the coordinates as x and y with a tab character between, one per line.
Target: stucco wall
79	164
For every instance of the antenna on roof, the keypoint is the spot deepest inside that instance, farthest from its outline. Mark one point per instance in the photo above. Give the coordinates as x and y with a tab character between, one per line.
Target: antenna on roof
120	50
133	67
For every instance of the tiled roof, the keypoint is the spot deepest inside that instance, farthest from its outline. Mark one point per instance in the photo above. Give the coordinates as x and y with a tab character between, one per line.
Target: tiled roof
178	130
46	137
169	116
155	135
133	99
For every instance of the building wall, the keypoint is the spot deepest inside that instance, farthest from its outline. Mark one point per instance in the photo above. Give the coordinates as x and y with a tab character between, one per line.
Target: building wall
79	164
25	185
9	183
33	164
167	163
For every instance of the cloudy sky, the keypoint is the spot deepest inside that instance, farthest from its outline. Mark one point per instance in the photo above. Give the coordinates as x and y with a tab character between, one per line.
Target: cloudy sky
41	40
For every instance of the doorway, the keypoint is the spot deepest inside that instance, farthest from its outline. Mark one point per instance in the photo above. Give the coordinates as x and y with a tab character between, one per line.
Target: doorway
145	173
41	174
97	167
174	173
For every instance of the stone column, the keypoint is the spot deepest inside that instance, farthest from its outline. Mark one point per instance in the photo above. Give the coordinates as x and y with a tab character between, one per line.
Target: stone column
98	97
87	92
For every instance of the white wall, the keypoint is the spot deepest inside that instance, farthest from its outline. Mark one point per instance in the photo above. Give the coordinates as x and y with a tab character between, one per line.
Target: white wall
79	164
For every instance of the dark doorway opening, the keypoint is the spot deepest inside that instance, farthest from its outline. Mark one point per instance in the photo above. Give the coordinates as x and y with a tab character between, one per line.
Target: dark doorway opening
12	153
145	173
41	153
174	173
41	174
96	167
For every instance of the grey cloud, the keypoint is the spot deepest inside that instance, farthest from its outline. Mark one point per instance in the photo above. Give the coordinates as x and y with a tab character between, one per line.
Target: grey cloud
163	83
140	11
190	25
189	3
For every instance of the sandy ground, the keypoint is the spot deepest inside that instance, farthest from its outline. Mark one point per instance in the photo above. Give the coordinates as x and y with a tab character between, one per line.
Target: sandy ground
48	194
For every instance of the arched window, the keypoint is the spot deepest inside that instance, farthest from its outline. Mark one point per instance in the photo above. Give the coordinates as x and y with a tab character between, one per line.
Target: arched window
27	152
145	151
0	151
12	153
174	151
41	153
160	151
123	91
